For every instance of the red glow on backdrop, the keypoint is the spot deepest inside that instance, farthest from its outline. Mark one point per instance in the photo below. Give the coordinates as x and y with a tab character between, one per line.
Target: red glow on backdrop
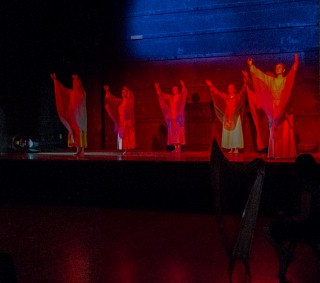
125	270
77	263
177	272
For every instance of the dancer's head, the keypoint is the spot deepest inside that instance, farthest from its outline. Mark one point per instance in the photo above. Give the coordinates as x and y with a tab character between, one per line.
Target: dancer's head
124	92
231	89
175	90
279	69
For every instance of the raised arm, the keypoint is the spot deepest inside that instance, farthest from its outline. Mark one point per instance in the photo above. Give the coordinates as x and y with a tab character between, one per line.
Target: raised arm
294	67
245	76
53	76
59	87
183	86
296	61
107	92
258	73
246	82
164	103
157	87
214	89
184	91
109	97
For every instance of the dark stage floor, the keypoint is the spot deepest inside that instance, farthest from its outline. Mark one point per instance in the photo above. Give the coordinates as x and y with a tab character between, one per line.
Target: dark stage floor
60	244
135	218
137	180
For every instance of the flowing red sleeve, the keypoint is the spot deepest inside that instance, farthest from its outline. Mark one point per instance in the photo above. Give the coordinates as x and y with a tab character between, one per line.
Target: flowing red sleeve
164	102
62	97
286	94
219	104
129	113
260	119
181	102
78	105
126	127
111	106
262	85
241	107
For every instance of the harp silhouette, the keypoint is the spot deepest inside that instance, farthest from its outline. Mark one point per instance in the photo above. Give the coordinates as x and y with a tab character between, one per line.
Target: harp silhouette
230	182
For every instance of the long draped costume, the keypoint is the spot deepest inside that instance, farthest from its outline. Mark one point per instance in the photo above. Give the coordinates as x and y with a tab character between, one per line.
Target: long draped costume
172	107
72	112
229	110
121	111
273	95
259	117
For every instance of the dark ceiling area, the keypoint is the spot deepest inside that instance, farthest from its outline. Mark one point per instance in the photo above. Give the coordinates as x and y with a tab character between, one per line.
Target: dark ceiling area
41	37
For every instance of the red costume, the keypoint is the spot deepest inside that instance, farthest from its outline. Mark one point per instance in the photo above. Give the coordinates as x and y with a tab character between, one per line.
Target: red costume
229	109
260	120
71	108
273	94
121	111
172	107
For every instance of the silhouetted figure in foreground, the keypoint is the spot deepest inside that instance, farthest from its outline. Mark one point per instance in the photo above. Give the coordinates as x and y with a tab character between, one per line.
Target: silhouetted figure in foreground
303	227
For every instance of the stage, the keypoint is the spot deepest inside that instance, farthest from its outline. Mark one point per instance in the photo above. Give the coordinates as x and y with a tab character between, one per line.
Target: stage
163	180
152	156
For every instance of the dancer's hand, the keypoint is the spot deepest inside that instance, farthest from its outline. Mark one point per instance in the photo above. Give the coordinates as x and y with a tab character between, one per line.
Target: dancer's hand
53	76
209	83
296	60
245	76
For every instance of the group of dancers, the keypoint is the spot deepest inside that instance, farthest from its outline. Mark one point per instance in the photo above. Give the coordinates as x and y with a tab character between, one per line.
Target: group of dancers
268	95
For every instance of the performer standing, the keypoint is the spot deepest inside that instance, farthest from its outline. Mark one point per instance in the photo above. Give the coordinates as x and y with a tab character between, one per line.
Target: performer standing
228	107
172	106
121	111
71	107
274	95
258	115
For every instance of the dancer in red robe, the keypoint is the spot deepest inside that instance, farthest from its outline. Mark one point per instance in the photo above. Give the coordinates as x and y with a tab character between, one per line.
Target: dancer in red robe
228	108
172	107
71	108
259	117
274	94
121	111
